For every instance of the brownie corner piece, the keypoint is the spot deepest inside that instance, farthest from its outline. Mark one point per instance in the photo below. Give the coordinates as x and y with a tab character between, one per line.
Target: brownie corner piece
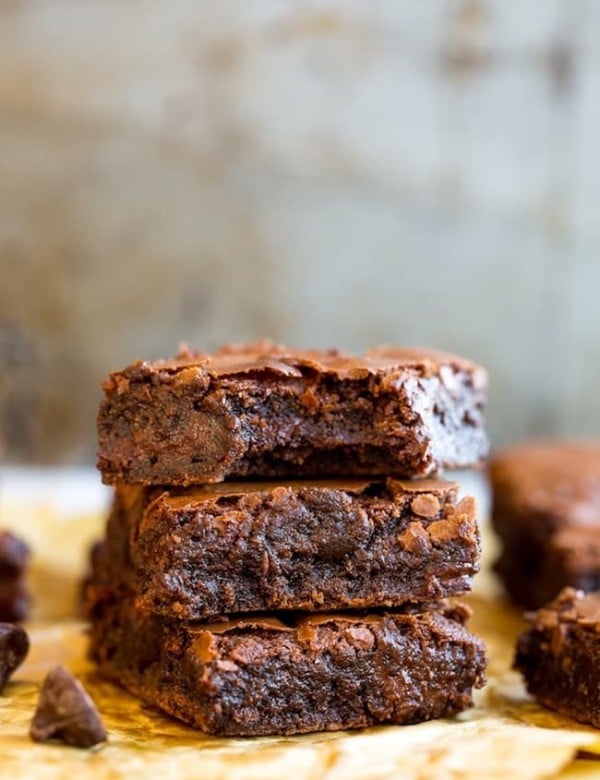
559	655
268	411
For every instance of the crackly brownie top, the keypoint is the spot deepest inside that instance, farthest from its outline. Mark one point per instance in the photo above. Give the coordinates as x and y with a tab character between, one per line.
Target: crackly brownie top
555	477
570	607
300	621
267	358
426	492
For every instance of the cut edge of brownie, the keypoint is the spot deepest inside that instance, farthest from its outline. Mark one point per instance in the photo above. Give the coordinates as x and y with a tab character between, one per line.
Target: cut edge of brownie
559	655
191	420
320	546
260	676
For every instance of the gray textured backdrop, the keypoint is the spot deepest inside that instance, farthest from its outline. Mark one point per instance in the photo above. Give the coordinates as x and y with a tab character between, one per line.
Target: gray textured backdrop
341	172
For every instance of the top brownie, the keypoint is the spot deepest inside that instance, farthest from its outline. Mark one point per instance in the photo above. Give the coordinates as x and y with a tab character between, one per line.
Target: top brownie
265	410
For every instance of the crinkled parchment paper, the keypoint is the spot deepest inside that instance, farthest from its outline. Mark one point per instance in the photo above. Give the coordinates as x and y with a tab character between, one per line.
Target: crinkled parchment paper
505	736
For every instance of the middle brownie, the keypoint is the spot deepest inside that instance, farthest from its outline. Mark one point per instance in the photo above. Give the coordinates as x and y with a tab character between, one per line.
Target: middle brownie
234	548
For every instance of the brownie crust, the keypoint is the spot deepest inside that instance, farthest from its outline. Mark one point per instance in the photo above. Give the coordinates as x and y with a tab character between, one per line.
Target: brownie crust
322	545
268	411
262	676
559	655
546	511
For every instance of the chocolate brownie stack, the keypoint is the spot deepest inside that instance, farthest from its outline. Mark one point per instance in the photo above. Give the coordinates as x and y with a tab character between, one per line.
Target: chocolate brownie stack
278	556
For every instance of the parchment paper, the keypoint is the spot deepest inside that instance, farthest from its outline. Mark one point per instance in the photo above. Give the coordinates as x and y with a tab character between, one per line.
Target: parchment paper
505	736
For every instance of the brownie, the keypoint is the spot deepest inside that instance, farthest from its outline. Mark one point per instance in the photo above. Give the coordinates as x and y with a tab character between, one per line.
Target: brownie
96	562
559	655
533	573
249	547
546	510
269	675
268	411
14	594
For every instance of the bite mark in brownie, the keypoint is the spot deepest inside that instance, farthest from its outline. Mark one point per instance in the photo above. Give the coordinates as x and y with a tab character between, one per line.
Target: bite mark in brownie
302	545
559	655
265	410
263	676
546	510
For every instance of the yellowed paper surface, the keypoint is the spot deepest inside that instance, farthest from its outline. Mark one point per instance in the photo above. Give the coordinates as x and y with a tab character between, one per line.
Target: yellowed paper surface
505	736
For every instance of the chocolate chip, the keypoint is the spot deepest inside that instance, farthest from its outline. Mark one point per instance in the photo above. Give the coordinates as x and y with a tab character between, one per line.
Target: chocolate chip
14	646
14	598
425	505
66	712
14	554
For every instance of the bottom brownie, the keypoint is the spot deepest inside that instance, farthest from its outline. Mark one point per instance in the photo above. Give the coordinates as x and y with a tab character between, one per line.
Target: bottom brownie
559	655
260	676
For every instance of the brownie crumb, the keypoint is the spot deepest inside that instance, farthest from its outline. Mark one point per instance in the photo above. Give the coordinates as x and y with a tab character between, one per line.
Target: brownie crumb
66	712
14	646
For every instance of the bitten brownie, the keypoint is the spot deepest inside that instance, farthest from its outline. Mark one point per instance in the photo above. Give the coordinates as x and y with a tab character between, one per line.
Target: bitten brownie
249	547
559	656
546	510
263	676
265	410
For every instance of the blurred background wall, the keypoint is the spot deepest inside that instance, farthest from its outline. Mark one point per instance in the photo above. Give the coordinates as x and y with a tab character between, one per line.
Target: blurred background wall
326	173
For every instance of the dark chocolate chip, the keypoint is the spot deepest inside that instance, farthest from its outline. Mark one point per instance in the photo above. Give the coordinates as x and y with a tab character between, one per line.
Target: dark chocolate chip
66	712
14	646
14	598
14	554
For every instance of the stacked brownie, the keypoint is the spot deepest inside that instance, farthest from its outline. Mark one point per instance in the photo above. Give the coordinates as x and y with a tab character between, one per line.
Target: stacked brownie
279	554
